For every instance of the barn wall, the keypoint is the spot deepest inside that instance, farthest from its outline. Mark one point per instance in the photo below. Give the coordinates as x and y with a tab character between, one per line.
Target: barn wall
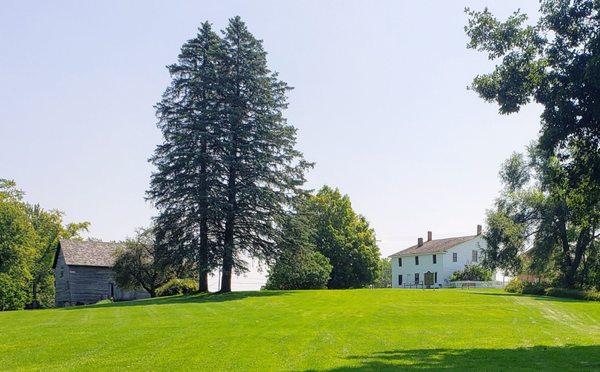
90	284
61	282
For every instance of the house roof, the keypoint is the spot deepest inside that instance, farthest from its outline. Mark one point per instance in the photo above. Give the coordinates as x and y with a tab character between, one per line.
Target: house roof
87	253
434	246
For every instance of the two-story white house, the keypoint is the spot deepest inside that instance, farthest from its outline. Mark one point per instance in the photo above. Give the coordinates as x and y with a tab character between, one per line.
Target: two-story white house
441	257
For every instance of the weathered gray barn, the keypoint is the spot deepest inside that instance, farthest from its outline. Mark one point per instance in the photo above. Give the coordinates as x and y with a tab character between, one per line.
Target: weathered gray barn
83	274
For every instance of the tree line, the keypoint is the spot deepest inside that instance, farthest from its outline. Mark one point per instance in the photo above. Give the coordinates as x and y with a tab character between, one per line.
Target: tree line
546	220
29	237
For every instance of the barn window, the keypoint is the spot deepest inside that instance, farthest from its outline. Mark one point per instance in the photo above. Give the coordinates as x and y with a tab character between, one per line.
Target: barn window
434	258
454	257
416	260
474	258
399	279
399	261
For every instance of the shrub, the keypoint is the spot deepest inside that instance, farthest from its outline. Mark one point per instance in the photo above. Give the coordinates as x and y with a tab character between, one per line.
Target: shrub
573	293
534	288
472	272
13	293
177	287
305	270
514	286
105	301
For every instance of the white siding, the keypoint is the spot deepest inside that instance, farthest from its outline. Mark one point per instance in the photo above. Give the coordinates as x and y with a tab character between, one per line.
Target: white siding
464	252
409	268
444	266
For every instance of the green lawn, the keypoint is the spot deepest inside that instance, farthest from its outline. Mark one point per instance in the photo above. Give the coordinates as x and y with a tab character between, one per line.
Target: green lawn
310	330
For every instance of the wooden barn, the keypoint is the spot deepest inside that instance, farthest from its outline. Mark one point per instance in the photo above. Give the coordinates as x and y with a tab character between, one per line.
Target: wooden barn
83	274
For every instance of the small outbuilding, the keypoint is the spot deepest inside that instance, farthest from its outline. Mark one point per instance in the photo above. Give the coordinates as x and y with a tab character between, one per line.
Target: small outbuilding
83	274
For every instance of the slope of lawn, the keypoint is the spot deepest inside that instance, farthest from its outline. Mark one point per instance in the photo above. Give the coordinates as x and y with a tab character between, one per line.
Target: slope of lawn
310	330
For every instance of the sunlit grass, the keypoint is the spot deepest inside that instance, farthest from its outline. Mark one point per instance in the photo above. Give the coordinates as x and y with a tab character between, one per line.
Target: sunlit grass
299	330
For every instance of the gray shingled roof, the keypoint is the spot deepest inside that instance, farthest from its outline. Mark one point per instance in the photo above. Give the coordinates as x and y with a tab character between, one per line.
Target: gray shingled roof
89	253
434	246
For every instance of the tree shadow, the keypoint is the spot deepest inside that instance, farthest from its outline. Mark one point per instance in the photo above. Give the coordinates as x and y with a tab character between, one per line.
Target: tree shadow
201	298
535	297
544	358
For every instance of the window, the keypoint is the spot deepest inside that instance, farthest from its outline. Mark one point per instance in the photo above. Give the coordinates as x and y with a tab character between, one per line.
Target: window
416	278
399	261
474	258
435	277
454	257
434	258
416	260
399	279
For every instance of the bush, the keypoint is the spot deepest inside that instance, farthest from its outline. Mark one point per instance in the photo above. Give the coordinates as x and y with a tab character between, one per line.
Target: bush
105	301
573	293
306	270
534	288
514	286
472	272
177	287
13	293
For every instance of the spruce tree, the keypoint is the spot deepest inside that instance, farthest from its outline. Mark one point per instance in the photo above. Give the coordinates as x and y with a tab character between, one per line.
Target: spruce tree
181	187
263	171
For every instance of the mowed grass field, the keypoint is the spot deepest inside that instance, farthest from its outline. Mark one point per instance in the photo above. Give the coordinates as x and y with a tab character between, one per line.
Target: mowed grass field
310	330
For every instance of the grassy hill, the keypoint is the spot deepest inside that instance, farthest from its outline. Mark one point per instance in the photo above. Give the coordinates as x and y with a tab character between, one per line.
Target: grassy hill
320	330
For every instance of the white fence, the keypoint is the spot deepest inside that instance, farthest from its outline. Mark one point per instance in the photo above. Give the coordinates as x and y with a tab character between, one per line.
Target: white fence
476	284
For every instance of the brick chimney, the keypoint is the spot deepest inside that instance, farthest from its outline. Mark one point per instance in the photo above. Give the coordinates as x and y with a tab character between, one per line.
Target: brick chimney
478	229
429	236
420	242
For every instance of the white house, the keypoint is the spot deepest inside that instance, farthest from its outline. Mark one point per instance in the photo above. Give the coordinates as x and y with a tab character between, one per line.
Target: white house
441	257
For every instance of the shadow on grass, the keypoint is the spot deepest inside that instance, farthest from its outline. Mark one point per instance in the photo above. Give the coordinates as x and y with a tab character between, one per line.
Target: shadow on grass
535	297
582	358
196	298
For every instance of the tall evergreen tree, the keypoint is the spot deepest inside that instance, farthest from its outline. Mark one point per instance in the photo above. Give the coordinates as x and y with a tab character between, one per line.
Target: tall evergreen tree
186	169
263	171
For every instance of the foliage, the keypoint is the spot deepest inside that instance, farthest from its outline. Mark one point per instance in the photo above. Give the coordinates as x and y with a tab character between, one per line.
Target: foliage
517	285
556	64
472	272
29	236
227	170
573	293
514	286
299	266
184	184
345	238
538	206
384	278
177	287
137	266
534	288
13	293
305	330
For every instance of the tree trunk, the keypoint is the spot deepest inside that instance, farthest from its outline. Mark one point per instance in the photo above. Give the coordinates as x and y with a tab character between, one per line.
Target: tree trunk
229	241
582	242
203	266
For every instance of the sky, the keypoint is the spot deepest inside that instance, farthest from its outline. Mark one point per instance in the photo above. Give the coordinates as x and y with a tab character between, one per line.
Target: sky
380	103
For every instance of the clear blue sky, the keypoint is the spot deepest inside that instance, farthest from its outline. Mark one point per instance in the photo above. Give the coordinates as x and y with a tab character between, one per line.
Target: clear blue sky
380	102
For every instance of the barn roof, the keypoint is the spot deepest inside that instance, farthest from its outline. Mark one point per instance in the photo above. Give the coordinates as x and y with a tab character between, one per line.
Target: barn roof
434	246
87	253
